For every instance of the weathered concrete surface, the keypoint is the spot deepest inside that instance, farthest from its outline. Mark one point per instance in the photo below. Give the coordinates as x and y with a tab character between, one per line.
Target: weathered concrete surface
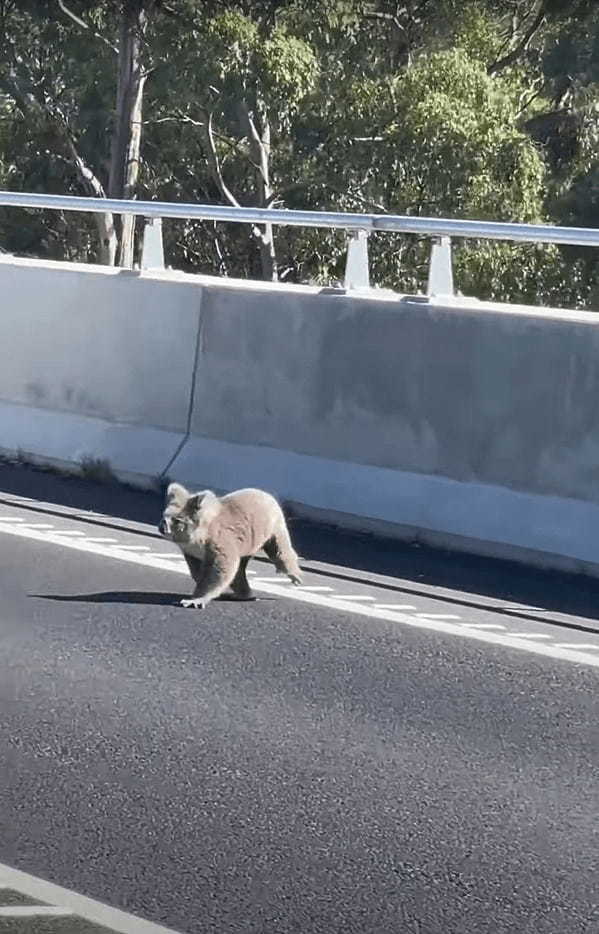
484	394
96	362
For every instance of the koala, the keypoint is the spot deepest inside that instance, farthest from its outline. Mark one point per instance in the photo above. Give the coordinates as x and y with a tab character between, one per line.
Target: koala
219	535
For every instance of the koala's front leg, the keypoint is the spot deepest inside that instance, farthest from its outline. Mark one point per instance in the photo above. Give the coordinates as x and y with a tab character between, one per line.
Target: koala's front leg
196	567
218	571
240	587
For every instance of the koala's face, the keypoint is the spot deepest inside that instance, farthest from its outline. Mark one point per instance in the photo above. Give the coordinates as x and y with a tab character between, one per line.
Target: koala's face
180	517
175	525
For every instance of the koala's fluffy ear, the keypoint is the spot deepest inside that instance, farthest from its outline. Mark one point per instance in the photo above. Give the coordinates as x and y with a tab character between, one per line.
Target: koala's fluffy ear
176	493
204	500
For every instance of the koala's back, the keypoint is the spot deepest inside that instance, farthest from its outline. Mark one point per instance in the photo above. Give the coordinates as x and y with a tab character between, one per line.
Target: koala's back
252	516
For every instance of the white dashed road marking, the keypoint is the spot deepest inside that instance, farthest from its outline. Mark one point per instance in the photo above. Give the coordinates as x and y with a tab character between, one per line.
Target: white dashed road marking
577	645
484	625
310	588
352	596
142	548
353	604
394	606
530	635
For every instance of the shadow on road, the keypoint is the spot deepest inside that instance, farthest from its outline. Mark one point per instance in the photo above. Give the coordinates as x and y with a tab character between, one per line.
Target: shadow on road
114	596
147	598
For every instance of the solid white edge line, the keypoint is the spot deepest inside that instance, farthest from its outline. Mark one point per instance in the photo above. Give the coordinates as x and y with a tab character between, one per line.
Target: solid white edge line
294	593
88	908
33	911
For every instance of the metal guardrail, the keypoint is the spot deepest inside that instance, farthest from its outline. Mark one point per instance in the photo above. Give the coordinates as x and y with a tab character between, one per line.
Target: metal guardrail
358	227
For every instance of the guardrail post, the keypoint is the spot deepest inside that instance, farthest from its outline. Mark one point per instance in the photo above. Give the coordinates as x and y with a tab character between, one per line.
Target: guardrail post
356	263
440	272
152	252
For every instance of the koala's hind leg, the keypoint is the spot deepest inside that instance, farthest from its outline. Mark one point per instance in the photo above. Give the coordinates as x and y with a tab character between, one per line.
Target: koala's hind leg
280	551
218	572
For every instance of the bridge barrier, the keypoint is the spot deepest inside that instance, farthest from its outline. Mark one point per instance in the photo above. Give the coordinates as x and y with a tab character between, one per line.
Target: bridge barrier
97	363
464	424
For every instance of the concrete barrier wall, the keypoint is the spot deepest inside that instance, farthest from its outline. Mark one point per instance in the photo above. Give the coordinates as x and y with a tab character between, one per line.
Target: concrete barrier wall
472	425
476	394
96	363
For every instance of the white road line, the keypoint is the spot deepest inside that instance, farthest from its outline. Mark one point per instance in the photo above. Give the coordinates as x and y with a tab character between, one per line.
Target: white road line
33	911
101	541
140	548
9	519
478	632
577	645
313	589
38	525
68	532
437	616
530	635
352	596
74	903
483	625
394	606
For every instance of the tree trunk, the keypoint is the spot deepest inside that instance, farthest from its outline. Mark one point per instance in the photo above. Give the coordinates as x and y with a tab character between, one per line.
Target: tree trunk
105	221
107	237
268	254
259	140
126	135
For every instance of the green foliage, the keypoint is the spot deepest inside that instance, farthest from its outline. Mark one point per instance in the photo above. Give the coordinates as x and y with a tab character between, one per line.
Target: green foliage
450	108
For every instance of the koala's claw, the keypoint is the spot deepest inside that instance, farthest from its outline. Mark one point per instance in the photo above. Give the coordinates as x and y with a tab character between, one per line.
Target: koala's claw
193	604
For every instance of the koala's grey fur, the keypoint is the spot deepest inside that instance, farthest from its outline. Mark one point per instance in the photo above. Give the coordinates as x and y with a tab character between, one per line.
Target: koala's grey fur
219	535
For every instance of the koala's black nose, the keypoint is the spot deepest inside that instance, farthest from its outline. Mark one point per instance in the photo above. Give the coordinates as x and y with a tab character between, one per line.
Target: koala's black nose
162	527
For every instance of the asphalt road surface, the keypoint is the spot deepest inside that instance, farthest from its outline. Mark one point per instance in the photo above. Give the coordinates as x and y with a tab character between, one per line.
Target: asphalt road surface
408	745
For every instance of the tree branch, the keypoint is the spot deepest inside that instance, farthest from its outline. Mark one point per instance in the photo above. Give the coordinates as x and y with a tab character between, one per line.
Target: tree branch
217	173
86	26
522	45
233	144
259	148
401	29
